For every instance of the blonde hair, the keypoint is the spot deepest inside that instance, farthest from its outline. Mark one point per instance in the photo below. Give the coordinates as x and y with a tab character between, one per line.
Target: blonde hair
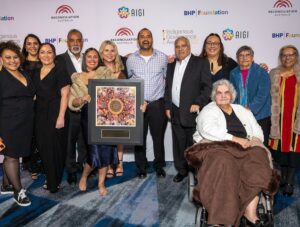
118	61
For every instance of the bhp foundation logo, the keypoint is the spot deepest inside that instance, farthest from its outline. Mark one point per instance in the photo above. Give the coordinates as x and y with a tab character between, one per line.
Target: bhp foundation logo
124	32
64	9
283	4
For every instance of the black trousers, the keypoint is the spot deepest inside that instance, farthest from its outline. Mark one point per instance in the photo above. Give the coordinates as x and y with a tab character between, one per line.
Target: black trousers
265	125
75	140
182	138
155	119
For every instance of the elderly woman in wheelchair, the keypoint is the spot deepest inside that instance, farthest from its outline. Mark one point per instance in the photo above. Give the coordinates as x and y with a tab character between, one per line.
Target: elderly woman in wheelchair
234	166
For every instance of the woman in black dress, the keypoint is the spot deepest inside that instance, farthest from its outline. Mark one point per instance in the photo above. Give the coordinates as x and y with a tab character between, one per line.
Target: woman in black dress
16	119
52	89
30	52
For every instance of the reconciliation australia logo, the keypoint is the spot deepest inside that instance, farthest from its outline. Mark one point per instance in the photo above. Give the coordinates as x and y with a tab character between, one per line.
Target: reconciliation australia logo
124	36
283	8
65	13
124	12
229	34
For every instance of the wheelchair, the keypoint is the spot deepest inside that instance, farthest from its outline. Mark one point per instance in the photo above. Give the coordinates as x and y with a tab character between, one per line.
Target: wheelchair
264	207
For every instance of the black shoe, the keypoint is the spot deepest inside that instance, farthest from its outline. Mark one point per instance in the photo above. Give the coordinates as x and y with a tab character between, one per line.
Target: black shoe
258	223
160	173
288	190
6	190
21	198
72	178
142	174
179	177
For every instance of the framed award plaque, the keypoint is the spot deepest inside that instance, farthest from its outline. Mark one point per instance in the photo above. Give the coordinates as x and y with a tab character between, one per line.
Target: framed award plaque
114	112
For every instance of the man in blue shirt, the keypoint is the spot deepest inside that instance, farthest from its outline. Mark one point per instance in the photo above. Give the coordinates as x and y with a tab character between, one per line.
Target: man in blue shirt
150	65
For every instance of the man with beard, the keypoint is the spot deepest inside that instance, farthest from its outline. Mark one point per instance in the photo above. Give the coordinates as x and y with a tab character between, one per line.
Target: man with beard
72	61
188	87
150	65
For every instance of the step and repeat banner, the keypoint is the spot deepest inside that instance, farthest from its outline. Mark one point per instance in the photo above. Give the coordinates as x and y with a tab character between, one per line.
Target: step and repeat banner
264	25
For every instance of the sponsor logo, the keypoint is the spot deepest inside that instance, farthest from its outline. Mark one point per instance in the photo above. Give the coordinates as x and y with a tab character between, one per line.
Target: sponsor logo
7	37
282	4
124	36
64	9
199	12
282	8
285	35
124	12
170	35
65	13
7	18
59	40
229	34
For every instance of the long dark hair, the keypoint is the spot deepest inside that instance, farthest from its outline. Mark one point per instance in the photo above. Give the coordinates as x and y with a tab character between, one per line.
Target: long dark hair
84	67
222	59
24	51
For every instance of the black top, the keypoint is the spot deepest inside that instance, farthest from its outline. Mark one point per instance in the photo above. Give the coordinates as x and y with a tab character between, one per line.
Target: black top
224	72
234	125
29	66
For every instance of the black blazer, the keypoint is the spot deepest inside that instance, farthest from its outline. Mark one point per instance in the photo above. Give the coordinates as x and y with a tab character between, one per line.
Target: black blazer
65	61
196	88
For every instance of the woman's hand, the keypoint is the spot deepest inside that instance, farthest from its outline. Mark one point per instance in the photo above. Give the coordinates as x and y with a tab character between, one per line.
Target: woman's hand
245	143
2	145
168	113
60	122
143	107
86	98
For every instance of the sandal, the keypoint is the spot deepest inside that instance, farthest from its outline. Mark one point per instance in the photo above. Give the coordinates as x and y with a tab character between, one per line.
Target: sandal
110	172
45	185
119	169
34	176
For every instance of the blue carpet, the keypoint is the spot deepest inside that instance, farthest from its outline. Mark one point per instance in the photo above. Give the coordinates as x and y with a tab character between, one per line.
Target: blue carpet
130	202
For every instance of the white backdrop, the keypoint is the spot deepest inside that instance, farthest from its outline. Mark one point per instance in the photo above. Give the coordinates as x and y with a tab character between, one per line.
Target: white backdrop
264	25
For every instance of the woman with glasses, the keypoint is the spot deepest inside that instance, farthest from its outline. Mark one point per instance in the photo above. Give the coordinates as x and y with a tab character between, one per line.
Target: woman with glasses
285	127
220	64
252	84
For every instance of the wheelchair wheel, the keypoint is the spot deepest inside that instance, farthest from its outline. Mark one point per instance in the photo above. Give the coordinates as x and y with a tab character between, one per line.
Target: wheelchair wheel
191	185
201	217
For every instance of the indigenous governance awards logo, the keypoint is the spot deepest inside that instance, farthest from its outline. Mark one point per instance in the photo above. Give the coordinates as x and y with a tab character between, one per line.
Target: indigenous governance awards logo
283	8
124	36
170	35
65	13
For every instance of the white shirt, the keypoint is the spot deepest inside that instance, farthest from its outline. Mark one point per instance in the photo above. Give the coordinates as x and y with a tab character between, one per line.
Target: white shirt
177	79
146	58
211	123
76	62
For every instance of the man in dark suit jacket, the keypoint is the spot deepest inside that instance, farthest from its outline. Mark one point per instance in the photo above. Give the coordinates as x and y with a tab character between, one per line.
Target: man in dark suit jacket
72	61
188	88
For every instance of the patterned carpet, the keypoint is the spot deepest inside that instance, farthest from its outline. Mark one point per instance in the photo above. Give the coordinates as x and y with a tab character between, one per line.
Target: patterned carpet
129	202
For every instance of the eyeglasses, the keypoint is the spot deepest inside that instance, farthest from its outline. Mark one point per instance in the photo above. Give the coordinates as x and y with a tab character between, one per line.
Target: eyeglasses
243	56
213	44
285	56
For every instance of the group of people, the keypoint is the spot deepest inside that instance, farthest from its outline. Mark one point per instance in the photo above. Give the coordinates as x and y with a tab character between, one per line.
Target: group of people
49	93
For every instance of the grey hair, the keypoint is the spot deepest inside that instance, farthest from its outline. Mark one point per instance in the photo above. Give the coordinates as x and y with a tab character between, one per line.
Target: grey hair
226	83
244	48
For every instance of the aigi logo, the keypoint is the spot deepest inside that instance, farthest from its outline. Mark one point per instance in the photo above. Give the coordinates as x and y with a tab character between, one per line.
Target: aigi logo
64	9
124	36
124	32
282	8
228	34
283	4
65	13
124	12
